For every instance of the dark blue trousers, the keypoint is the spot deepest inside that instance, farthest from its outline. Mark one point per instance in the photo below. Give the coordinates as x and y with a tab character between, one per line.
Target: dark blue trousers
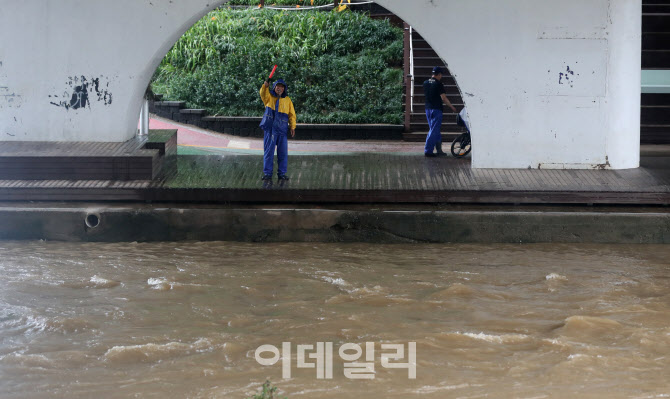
434	117
270	142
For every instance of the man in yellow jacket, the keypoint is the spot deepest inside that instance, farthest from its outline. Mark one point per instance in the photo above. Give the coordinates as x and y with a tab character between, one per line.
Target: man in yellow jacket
278	120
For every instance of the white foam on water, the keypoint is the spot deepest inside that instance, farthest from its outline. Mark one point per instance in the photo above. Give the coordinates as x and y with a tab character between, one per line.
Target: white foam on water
557	342
433	389
497	339
335	281
13	317
315	390
377	289
33	324
28	360
100	282
68	325
577	356
346	287
161	283
556	276
152	352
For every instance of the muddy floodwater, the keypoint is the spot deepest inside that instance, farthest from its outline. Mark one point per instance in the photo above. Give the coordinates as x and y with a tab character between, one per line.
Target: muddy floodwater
185	320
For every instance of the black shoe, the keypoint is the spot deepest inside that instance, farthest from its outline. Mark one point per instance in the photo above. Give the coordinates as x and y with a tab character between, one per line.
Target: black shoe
430	154
266	177
282	177
438	147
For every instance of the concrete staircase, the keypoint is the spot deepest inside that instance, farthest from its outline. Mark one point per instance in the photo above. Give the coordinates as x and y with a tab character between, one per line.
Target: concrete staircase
420	59
655	34
655	112
655	109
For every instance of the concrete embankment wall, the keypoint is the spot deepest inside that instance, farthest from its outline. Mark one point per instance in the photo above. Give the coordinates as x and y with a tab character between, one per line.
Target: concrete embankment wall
104	223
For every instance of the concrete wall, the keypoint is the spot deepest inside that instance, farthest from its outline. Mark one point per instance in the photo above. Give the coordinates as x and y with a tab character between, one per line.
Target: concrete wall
547	84
106	223
52	52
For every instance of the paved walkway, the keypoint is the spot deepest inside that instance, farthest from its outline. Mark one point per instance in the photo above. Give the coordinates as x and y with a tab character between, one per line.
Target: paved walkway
365	178
195	141
357	172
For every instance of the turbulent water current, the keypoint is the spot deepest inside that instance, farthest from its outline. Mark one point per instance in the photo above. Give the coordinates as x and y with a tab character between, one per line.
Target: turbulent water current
185	320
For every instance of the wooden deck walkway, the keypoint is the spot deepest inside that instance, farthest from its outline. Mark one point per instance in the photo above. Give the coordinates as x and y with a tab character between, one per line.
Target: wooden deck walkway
364	178
137	158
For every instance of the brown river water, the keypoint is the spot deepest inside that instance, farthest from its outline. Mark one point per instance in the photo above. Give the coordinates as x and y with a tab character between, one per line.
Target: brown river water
184	320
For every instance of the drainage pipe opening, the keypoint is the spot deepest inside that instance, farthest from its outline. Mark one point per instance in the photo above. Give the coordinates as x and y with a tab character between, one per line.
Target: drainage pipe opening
92	220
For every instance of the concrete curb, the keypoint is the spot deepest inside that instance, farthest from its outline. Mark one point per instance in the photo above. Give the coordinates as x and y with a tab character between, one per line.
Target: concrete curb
149	223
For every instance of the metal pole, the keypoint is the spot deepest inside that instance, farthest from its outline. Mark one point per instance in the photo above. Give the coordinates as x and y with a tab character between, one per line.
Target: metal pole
411	66
144	118
408	77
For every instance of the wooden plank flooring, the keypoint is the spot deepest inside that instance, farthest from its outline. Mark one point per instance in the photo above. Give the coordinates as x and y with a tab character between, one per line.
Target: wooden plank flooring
67	149
129	160
364	177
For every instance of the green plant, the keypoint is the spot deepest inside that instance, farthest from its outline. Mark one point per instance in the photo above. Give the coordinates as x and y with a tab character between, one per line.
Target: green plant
340	67
267	392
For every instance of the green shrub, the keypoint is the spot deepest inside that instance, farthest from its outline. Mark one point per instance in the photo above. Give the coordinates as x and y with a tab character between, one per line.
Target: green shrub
341	67
267	392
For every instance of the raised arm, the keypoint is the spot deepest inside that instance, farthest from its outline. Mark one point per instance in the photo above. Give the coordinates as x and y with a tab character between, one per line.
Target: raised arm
266	97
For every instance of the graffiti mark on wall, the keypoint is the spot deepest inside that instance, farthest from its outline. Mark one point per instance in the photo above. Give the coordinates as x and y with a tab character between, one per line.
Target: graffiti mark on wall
82	92
567	77
80	97
104	95
8	98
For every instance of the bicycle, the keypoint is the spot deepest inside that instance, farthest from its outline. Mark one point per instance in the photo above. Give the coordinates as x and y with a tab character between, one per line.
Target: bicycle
461	145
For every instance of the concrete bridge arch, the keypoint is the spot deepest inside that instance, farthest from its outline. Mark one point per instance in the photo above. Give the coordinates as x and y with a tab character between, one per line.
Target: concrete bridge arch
547	85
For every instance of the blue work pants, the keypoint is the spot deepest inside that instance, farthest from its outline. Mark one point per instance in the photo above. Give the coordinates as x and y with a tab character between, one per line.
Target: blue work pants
271	141
434	117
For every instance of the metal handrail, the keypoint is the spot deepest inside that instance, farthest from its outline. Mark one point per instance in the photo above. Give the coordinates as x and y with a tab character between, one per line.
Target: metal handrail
411	70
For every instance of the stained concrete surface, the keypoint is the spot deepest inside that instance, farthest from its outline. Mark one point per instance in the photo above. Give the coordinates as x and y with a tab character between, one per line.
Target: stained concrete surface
375	224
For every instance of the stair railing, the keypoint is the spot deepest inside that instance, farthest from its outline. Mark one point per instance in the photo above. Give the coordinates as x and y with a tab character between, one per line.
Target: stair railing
411	69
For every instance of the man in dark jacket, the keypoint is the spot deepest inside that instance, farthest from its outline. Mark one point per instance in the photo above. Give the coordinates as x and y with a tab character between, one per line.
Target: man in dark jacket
435	97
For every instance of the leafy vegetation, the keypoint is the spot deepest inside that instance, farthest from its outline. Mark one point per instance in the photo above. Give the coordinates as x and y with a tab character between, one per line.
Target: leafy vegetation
268	392
341	67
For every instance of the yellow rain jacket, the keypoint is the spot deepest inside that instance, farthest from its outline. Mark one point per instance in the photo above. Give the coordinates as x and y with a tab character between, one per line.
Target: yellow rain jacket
284	119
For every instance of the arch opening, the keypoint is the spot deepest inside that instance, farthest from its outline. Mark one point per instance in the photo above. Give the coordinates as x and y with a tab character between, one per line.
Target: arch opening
513	97
362	67
341	67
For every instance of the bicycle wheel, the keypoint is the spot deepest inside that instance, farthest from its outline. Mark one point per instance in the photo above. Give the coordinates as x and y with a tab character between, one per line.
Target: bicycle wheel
461	145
